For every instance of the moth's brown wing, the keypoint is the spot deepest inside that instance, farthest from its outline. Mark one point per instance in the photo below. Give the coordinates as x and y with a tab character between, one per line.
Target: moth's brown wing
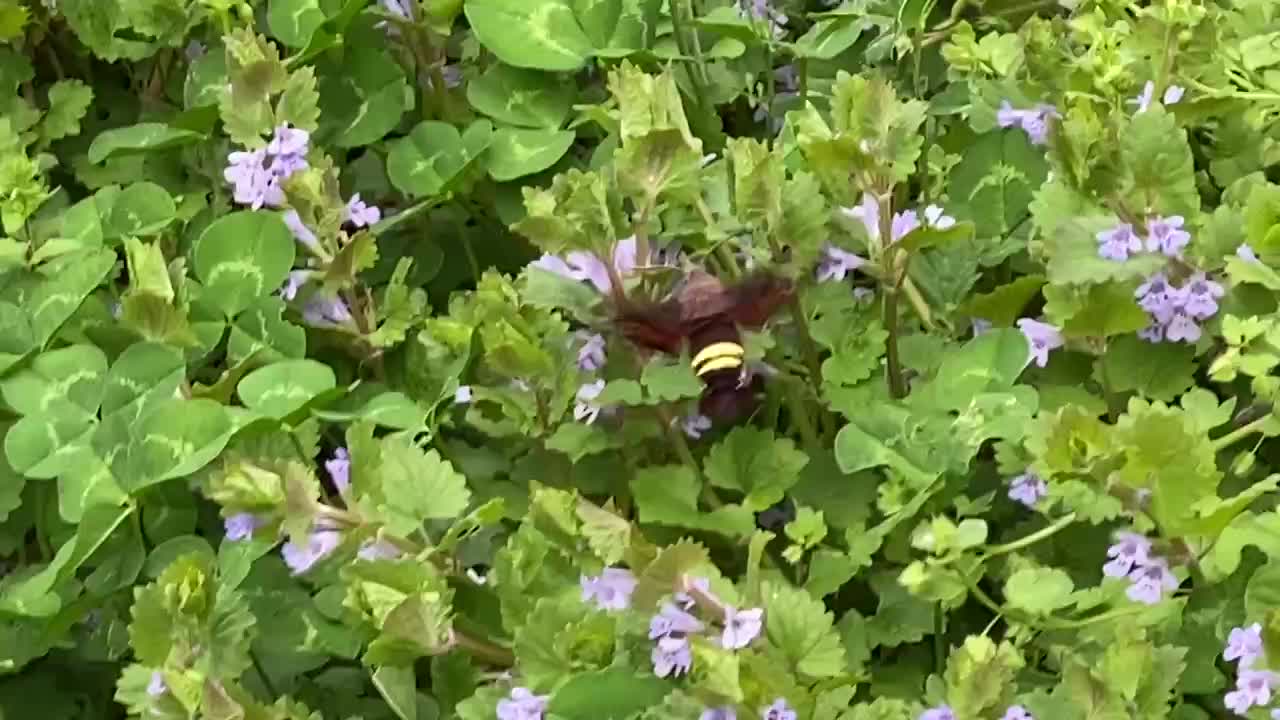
755	300
656	327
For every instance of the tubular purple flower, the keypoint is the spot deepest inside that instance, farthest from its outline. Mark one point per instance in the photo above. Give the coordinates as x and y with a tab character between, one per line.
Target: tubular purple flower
241	526
1246	253
1017	712
1182	329
1034	122
157	687
1118	242
867	213
694	425
1042	338
372	550
672	620
1244	644
741	627
294	283
288	142
321	310
836	263
1129	551
301	232
522	705
903	223
1165	235
585	410
934	217
1151	581
942	712
671	657
1253	687
1200	299
320	542
1027	489
610	590
591	355
360	214
779	710
724	712
339	469
701	584
462	395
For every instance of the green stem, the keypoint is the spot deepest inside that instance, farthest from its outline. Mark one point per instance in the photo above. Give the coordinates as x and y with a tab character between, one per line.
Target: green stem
1241	432
795	398
484	650
939	639
1033	538
262	675
893	363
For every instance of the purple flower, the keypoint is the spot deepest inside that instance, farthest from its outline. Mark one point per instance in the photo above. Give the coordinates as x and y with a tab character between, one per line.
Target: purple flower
979	326
1246	253
741	627
241	526
1253	687
157	686
360	214
321	310
867	213
252	183
763	10
288	142
580	265
685	600
1150	581
591	355
320	542
1172	95
1027	489
194	50
1158	298
1042	337
339	469
671	620
934	218
1165	235
584	409
779	710
942	712
373	550
294	283
1131	550
462	395
1017	712
1034	122
836	263
696	424
671	656
1200	299
1118	242
522	705
1244	644
399	8
301	232
452	75
611	589
724	712
903	223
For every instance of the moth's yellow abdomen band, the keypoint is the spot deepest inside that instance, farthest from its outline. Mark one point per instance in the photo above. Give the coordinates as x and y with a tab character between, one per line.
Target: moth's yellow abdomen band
718	350
719	363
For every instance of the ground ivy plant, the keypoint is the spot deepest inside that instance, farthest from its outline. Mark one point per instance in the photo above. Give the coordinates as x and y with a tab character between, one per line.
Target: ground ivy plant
312	405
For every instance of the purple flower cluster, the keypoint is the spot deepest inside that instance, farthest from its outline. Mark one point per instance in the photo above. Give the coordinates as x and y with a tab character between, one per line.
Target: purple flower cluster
1042	337
1027	489
1176	311
522	705
868	213
256	174
1034	122
1149	575
1172	95
1165	235
610	590
580	265
1254	686
671	628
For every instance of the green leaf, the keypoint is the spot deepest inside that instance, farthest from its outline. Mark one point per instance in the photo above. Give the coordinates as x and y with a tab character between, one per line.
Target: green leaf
538	34
409	486
1160	371
294	21
364	98
561	638
174	440
68	102
526	98
140	138
756	463
828	38
399	687
142	208
1003	306
242	257
614	694
1155	153
262	330
669	496
1039	591
801	632
517	152
280	389
665	381
433	156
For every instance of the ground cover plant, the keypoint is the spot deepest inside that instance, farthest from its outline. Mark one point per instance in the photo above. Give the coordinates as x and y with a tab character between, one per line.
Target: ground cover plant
315	404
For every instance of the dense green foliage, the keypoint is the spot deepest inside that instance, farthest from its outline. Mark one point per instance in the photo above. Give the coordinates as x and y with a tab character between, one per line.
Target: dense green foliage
312	407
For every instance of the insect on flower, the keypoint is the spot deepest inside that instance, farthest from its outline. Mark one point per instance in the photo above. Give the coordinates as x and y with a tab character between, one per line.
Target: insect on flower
707	317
